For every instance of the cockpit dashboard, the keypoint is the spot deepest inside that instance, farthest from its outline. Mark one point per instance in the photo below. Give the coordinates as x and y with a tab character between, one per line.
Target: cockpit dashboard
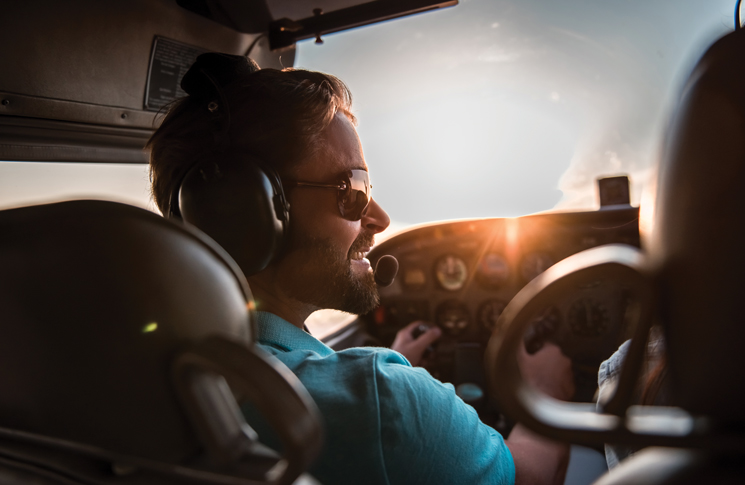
460	275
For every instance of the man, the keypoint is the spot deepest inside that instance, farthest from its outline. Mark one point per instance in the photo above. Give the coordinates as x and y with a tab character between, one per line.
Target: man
386	421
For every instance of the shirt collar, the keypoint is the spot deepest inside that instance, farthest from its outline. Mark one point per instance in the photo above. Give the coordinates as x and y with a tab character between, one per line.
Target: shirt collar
278	332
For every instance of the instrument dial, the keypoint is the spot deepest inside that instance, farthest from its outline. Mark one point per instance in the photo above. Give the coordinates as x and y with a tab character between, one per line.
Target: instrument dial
534	264
493	270
451	272
588	318
489	313
452	316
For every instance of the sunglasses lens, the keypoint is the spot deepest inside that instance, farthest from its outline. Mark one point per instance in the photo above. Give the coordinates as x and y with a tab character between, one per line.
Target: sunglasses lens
354	201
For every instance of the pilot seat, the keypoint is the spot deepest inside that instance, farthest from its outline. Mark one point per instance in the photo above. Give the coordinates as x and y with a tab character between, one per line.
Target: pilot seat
126	348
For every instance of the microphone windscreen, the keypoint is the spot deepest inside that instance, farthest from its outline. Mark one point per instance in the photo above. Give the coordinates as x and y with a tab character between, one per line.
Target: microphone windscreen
385	270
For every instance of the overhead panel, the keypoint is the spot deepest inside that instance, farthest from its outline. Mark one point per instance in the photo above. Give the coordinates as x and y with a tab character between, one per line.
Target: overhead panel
289	22
73	86
168	64
284	32
83	79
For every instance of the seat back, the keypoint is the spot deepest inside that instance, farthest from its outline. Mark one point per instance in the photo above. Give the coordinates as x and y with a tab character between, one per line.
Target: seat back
695	248
689	278
121	333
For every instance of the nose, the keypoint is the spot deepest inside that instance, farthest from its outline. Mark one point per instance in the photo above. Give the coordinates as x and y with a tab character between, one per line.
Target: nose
375	218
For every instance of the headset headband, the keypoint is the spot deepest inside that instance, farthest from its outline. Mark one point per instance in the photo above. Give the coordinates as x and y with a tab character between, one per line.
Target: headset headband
230	195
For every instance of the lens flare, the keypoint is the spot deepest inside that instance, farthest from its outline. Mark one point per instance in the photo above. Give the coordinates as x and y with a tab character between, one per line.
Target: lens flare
511	237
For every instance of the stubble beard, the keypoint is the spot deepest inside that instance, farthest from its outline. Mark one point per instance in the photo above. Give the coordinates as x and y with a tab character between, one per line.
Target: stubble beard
327	279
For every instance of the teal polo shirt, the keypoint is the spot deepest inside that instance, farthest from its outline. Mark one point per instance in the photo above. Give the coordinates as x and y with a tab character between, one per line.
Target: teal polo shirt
386	422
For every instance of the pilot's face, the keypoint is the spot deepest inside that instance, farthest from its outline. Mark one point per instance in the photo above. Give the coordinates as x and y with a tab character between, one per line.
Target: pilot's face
324	266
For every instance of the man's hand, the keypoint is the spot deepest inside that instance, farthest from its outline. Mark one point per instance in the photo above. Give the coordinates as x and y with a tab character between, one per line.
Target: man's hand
548	370
539	460
413	348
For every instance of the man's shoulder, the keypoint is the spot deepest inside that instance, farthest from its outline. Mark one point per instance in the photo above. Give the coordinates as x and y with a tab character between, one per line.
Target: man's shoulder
364	370
375	404
379	356
364	358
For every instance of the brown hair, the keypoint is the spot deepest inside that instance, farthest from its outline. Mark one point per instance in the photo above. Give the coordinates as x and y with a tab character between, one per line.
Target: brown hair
276	116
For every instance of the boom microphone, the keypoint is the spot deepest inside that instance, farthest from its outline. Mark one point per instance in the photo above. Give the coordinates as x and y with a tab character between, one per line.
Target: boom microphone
385	270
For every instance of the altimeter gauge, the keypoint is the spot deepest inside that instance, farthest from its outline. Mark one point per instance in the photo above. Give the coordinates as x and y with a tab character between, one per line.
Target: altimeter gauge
451	272
452	316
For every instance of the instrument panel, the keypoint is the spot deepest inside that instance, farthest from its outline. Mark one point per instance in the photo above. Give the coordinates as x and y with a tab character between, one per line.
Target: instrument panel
460	276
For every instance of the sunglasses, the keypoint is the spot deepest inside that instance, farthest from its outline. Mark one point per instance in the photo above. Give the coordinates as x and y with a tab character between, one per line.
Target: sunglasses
353	192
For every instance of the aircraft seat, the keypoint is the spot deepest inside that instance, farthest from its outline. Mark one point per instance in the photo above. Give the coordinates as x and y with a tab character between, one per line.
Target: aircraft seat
126	341
689	278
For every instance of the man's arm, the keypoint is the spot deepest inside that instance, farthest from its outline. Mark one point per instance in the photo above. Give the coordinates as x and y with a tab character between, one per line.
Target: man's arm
537	459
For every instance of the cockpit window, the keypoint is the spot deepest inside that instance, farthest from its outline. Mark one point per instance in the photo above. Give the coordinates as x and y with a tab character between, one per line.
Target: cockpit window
492	108
504	108
27	183
489	108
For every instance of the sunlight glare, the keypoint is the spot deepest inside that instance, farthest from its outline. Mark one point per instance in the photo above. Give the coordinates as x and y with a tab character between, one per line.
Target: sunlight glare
511	237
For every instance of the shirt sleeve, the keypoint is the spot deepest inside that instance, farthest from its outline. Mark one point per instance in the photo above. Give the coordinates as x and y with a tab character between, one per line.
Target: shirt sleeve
429	435
610	369
608	375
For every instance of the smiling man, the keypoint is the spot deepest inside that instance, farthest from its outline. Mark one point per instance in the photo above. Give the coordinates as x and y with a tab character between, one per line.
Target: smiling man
385	421
324	266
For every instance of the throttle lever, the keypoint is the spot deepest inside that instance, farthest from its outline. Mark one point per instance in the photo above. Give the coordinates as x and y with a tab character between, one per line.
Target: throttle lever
417	332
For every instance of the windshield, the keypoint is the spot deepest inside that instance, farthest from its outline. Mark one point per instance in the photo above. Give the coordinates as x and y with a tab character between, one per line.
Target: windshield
504	108
489	108
28	183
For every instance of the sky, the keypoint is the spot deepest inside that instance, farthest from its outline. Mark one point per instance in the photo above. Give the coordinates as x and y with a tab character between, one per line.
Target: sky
492	108
504	108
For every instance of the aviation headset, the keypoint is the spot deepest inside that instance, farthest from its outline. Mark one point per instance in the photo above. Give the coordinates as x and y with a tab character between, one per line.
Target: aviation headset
233	197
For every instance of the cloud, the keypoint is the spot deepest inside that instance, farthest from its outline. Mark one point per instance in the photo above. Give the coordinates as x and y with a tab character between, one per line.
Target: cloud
496	54
592	159
584	40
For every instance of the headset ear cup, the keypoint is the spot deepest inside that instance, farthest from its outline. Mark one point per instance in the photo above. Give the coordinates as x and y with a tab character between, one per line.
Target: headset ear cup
234	204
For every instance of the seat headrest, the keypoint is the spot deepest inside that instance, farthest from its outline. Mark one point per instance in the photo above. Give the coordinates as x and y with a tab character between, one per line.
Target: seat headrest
697	239
96	299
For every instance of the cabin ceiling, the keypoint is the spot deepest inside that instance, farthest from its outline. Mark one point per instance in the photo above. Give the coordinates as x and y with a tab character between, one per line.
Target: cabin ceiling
76	71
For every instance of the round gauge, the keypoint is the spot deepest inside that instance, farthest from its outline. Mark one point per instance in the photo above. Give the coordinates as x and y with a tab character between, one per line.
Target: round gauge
451	272
452	316
493	270
489	313
534	264
588	318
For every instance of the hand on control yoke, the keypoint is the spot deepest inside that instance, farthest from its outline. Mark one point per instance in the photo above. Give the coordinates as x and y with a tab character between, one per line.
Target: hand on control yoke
412	343
548	370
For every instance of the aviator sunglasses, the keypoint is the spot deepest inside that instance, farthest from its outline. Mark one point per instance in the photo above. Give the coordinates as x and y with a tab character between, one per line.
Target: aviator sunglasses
353	194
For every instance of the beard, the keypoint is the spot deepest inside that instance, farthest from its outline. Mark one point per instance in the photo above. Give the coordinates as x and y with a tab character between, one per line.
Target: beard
326	279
